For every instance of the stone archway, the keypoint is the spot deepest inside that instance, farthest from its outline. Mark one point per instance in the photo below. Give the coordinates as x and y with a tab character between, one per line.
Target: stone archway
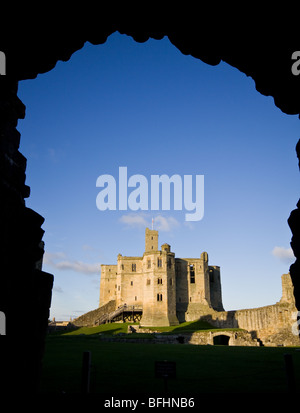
25	290
221	340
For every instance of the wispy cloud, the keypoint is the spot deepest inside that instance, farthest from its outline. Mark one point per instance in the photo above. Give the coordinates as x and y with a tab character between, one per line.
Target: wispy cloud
57	289
134	220
284	254
165	223
161	223
59	261
52	155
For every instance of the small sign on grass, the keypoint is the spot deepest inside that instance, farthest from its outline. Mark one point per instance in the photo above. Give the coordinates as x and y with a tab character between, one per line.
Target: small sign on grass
165	370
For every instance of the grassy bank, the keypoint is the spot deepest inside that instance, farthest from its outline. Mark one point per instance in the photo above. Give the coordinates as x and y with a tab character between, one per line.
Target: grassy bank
122	328
119	368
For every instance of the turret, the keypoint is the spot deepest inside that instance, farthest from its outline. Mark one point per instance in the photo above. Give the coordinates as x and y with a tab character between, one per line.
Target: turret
151	240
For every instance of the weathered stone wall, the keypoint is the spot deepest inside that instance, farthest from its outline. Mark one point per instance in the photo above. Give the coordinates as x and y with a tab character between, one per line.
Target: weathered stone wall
108	284
235	338
272	325
215	288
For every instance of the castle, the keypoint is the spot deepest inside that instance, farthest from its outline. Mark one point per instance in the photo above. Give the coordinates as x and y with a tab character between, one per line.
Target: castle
158	289
167	288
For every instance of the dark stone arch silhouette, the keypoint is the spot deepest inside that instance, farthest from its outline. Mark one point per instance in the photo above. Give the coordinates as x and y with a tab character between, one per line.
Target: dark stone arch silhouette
33	45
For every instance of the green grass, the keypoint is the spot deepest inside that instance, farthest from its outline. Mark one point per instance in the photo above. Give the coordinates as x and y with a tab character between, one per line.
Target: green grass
112	328
128	368
117	328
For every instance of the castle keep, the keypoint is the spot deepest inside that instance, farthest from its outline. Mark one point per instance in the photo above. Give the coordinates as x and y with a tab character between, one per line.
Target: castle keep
159	289
169	290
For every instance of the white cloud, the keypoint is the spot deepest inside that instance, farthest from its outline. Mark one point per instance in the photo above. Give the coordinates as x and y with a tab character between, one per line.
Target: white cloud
87	247
50	257
161	223
165	223
134	220
58	260
57	289
284	254
78	266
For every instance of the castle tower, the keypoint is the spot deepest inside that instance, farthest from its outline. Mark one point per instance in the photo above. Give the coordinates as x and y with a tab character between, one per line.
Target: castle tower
159	305
151	240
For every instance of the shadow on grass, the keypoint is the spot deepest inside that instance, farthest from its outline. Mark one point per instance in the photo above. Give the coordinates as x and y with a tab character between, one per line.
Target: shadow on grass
195	326
103	329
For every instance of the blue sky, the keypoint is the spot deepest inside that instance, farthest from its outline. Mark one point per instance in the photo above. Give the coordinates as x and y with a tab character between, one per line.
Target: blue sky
155	111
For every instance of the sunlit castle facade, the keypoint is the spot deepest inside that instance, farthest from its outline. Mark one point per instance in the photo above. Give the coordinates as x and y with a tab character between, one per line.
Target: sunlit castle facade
168	289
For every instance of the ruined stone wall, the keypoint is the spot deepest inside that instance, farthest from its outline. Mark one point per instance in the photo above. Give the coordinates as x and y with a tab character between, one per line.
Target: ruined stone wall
198	293
273	324
215	288
262	322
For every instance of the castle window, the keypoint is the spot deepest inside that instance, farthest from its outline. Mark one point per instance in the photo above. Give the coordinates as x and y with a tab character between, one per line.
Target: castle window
192	274
159	281
159	297
133	267
159	262
148	282
122	266
171	281
149	264
131	282
135	298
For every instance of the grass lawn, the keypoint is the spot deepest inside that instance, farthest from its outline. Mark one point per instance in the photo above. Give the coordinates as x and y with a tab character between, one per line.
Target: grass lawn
119	368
